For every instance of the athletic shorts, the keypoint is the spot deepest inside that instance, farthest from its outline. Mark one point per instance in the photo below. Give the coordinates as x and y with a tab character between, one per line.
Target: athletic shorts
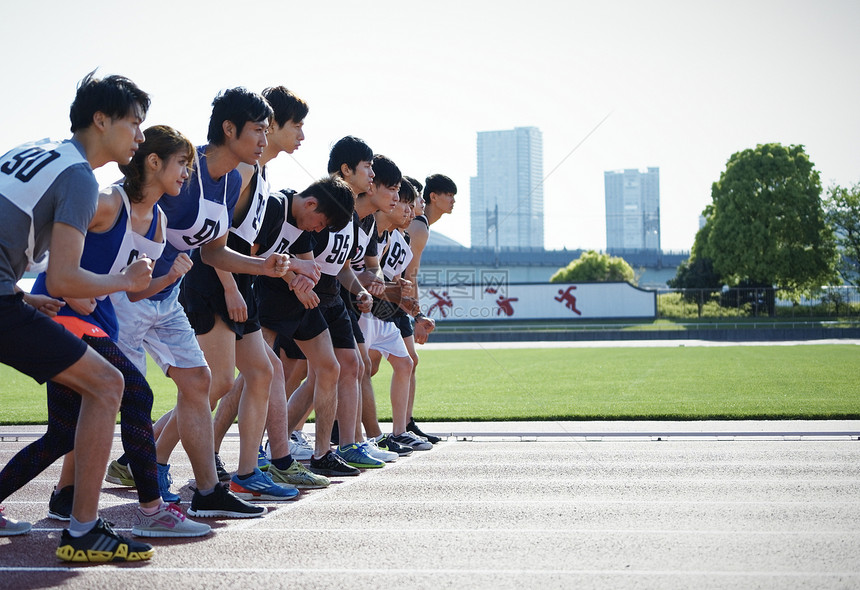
382	336
406	325
339	324
160	328
339	327
291	349
33	343
305	326
282	313
354	315
202	308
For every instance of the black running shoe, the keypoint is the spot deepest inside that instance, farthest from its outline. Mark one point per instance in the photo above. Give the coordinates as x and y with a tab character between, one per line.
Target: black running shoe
332	466
223	475
222	503
100	545
413	428
386	442
60	504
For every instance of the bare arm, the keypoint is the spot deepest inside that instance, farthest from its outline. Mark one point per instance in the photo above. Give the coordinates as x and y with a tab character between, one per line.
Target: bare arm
418	234
65	277
347	278
371	277
218	255
237	309
181	265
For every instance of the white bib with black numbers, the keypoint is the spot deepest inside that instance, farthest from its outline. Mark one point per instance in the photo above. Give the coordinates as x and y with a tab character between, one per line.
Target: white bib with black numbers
331	259
212	221
396	257
28	171
362	240
250	226
133	244
289	233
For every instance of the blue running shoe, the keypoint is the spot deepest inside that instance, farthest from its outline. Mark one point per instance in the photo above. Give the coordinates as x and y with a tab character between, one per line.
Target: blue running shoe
355	456
262	459
164	483
261	487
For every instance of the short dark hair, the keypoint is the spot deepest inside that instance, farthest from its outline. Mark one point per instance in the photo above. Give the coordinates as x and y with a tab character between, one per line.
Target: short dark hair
115	96
237	105
334	200
407	192
438	183
416	184
286	105
348	150
386	172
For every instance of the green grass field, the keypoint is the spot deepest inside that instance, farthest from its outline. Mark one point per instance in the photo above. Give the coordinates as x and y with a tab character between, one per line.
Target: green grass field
683	383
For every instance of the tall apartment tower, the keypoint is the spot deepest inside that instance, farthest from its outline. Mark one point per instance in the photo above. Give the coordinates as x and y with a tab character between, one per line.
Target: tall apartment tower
507	194
632	209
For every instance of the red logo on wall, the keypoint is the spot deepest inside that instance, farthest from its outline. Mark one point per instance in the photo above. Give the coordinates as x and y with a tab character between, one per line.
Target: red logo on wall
569	299
442	301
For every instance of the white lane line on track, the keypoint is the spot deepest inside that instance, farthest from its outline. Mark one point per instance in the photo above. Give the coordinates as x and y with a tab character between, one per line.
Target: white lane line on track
127	571
318	495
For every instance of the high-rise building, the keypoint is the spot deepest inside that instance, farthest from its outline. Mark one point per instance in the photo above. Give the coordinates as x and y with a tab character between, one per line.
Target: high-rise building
632	209
507	194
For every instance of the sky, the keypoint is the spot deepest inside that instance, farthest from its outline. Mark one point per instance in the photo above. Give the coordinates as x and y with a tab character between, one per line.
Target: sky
681	85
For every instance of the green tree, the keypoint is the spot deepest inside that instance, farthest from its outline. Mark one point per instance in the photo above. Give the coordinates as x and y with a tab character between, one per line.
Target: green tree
696	278
766	223
593	266
843	215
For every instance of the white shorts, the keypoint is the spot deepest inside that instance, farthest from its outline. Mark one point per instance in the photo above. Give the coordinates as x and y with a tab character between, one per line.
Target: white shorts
382	336
160	328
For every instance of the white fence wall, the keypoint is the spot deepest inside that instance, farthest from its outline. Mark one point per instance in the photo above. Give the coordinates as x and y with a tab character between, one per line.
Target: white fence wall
561	301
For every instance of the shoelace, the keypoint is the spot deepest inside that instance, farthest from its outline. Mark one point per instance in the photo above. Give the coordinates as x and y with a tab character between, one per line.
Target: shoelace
299	437
175	510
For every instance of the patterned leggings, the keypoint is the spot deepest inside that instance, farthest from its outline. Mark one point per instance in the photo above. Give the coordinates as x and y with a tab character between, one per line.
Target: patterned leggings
64	404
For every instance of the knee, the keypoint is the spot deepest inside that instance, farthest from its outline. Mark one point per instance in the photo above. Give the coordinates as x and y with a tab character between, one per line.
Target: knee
401	364
111	385
328	371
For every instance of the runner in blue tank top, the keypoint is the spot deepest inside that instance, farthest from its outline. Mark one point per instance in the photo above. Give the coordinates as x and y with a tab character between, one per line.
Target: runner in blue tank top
198	218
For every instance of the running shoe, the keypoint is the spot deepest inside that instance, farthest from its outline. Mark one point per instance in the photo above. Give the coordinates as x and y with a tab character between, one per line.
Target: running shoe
169	521
260	487
300	447
384	441
10	527
332	465
298	475
119	474
355	456
60	504
410	439
165	480
369	447
413	428
262	459
223	475
222	503
100	545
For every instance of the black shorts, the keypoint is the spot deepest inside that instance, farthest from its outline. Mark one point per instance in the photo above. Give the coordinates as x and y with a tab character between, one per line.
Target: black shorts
354	314
406	325
291	349
33	343
305	326
339	324
201	309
